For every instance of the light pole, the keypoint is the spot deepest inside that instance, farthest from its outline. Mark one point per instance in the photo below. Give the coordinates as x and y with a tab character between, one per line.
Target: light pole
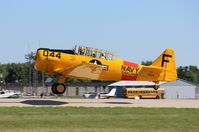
30	59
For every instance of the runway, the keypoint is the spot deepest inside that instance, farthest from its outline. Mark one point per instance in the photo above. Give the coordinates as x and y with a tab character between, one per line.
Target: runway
24	102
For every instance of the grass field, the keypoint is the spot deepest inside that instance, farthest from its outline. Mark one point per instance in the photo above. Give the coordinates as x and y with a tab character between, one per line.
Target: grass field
36	119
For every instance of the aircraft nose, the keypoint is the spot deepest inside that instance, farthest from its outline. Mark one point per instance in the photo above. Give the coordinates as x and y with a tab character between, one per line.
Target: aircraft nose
41	60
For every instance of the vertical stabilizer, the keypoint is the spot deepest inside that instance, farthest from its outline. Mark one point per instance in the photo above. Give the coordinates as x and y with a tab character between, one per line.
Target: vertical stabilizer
167	61
112	92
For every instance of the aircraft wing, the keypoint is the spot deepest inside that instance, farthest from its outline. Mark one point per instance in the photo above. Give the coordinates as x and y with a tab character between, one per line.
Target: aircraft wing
82	71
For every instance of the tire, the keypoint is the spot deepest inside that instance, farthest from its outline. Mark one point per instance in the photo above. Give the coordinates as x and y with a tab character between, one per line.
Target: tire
58	88
53	88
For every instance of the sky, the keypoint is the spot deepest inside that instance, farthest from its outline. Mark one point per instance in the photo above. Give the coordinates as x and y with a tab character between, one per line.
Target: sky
135	30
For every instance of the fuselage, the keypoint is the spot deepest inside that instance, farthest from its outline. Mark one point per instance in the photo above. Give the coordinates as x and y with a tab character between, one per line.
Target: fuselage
50	61
93	64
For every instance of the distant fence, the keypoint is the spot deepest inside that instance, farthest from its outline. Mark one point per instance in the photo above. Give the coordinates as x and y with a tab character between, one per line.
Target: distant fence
72	89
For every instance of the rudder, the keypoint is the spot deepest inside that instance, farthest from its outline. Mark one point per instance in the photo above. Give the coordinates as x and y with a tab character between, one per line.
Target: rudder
167	61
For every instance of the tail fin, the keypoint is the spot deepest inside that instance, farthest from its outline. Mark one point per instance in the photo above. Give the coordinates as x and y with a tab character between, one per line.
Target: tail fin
167	61
112	92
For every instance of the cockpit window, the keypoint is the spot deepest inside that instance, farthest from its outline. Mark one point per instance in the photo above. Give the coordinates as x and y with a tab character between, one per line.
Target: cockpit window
86	51
98	54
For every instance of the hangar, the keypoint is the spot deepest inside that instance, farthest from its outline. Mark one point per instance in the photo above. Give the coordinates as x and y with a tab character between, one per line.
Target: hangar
179	89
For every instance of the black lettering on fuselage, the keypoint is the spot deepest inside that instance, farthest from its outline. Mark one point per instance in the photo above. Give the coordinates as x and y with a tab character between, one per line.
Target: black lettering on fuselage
45	53
129	70
123	68
52	54
137	69
164	59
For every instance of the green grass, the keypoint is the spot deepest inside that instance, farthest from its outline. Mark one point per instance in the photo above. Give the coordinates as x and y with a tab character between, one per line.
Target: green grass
50	119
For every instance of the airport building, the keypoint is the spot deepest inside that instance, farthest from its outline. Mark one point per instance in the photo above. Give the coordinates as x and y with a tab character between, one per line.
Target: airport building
179	89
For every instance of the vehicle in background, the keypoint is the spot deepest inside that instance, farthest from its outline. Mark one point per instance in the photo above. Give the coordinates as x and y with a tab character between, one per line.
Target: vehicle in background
144	93
90	95
10	94
108	95
95	95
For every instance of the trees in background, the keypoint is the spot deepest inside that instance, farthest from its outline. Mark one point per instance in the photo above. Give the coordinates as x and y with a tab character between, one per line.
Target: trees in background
16	73
20	72
3	72
146	63
189	73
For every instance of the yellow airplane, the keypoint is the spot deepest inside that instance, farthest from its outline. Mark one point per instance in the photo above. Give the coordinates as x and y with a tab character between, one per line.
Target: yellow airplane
93	64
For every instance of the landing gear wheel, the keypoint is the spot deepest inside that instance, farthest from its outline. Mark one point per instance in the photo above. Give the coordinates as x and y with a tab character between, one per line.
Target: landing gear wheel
58	88
53	88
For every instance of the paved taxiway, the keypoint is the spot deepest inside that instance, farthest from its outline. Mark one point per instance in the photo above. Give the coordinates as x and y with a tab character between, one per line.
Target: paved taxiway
100	102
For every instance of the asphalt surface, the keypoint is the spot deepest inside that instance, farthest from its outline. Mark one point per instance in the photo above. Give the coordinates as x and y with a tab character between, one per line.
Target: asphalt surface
99	102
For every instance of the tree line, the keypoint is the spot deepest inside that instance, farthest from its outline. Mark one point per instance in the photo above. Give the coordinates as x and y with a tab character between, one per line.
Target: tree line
25	73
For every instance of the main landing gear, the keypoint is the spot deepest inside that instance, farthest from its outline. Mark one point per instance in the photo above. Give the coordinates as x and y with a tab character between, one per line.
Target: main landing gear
59	87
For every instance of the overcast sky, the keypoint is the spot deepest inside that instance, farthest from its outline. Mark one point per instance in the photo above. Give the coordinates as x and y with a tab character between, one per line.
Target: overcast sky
135	30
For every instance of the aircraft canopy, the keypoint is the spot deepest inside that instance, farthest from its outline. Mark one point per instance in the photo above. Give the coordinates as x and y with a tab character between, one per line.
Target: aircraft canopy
92	52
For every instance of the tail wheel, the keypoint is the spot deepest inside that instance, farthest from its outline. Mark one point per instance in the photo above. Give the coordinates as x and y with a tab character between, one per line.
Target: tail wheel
58	88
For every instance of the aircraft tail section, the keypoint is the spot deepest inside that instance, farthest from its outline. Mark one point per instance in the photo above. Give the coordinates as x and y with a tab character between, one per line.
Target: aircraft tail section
167	62
112	92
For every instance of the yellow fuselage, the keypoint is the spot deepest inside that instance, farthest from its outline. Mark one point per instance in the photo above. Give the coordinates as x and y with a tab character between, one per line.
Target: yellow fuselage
63	61
51	61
